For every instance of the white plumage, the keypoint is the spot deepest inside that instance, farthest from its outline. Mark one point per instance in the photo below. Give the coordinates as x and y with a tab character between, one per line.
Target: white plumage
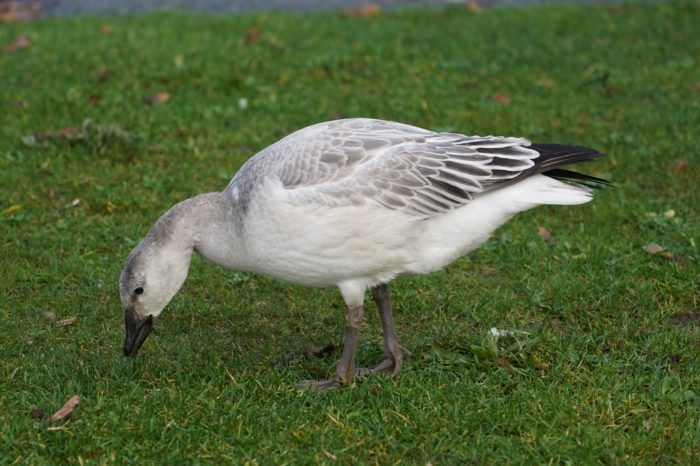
351	203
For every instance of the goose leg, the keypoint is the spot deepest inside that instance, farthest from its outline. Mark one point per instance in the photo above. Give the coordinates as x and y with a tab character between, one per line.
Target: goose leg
393	351
346	367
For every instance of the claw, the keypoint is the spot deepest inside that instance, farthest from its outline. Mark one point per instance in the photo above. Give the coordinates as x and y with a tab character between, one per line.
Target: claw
391	364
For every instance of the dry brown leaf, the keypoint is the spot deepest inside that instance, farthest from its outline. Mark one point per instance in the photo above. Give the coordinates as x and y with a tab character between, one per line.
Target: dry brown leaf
106	29
500	98
65	322
19	11
653	248
330	455
362	11
21	42
70	132
656	249
66	409
546	236
252	36
677	167
156	99
503	363
474	7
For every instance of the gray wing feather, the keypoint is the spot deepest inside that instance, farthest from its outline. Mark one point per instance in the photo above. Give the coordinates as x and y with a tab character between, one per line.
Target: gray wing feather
401	167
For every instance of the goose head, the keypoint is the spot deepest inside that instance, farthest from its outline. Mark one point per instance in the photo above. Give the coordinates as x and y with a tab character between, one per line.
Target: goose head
152	275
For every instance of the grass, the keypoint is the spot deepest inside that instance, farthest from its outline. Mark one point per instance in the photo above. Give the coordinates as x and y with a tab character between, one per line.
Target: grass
603	365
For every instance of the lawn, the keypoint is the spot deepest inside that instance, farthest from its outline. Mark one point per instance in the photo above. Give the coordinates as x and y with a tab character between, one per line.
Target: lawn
601	364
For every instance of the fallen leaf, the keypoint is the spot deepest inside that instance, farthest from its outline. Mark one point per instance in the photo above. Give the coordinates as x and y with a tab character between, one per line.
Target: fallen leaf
70	132
252	36
49	315
474	7
66	409
503	363
363	11
502	99
106	29
156	99
546	236
21	42
653	248
65	322
37	413
677	167
671	256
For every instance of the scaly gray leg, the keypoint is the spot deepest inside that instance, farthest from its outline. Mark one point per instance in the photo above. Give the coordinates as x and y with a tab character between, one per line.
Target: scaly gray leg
393	351
346	367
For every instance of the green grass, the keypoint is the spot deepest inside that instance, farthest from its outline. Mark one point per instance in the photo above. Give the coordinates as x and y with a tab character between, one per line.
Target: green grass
609	370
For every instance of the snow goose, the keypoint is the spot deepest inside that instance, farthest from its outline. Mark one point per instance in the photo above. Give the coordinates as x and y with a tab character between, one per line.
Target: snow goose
351	203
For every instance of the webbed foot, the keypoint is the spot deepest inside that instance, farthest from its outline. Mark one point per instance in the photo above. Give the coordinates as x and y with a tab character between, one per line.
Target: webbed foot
390	365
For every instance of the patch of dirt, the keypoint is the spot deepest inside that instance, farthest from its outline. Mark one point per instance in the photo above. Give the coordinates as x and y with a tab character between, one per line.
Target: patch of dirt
686	318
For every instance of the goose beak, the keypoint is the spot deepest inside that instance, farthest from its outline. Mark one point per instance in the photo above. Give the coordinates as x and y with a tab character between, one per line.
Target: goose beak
137	329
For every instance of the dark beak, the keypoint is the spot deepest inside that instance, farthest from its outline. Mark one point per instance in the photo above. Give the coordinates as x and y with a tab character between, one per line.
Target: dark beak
137	329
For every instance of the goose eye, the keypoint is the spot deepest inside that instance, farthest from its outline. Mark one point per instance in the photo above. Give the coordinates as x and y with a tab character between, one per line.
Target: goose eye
138	290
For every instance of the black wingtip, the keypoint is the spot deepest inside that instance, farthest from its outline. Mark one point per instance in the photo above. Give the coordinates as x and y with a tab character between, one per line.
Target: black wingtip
564	154
578	178
553	156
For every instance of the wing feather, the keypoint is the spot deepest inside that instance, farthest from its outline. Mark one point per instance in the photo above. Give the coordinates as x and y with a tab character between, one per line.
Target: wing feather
397	166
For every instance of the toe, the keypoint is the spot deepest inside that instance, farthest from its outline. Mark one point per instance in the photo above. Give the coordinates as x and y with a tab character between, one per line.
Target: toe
319	385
